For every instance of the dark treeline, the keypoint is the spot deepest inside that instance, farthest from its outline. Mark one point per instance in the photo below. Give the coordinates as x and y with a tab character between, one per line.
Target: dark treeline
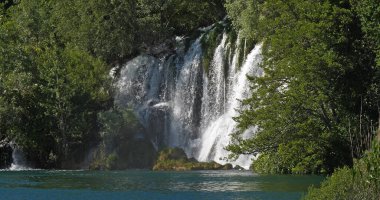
55	58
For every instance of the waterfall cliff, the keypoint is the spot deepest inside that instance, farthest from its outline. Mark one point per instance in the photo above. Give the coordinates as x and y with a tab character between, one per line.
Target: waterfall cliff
183	103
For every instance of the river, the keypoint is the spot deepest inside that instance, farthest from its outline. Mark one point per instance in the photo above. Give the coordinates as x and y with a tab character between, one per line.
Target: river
144	184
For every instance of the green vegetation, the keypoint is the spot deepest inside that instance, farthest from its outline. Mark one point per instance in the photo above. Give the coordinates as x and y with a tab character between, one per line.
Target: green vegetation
120	148
176	159
317	105
49	94
55	58
209	42
360	182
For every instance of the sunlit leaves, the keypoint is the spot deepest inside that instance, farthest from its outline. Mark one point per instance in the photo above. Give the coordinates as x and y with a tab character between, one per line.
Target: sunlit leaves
311	57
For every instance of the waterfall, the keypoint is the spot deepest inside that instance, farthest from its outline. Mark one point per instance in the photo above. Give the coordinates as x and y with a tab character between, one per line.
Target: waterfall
217	134
183	120
18	159
182	104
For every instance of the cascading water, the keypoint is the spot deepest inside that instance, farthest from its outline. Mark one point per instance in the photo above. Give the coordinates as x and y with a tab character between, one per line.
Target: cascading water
217	133
181	104
184	104
18	160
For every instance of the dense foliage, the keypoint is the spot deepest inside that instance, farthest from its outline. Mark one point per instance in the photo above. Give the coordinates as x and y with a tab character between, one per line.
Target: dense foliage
360	182
317	105
120	149
50	95
55	58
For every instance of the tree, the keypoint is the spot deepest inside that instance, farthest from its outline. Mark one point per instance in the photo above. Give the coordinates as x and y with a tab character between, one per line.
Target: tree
306	99
55	57
106	29
50	95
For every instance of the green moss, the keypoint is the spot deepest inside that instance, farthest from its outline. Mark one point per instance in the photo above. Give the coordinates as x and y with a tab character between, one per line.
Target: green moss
111	161
99	161
232	34
172	154
209	42
246	45
175	159
120	150
132	154
136	154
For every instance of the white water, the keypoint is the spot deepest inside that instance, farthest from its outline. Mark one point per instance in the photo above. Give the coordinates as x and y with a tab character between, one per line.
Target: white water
180	104
217	134
185	94
18	160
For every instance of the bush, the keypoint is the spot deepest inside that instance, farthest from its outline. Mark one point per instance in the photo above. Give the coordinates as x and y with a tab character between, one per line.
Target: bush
295	157
360	182
338	186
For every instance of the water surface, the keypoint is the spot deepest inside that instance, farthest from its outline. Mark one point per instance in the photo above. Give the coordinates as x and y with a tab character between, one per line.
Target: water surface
139	184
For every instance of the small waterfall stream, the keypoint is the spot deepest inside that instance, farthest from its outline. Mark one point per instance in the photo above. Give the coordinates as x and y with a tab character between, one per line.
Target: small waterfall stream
181	104
18	159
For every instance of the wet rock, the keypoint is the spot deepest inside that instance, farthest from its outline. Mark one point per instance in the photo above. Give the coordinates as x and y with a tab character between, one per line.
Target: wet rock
5	154
134	154
237	167
175	159
162	49
227	166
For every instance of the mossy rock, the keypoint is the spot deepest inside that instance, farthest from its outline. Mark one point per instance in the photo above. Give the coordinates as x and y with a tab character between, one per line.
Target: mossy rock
228	166
134	154
172	154
175	159
238	167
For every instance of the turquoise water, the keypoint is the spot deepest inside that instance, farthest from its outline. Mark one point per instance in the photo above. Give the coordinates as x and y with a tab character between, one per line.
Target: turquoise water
141	185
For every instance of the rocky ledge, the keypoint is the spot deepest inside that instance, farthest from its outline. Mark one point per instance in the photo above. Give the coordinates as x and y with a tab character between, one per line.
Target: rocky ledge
5	154
175	159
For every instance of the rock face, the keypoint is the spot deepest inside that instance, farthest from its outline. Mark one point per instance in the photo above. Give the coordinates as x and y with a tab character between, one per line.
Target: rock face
237	167
175	159
133	154
5	155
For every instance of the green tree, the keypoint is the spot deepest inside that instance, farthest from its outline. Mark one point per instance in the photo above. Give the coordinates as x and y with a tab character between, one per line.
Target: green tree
369	14
54	62
50	94
106	29
307	102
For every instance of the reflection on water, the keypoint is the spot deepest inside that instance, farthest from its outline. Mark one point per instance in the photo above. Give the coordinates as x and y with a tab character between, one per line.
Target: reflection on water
152	185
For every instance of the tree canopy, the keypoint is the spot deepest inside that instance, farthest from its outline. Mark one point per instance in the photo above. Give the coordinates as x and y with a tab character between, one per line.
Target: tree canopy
55	58
319	96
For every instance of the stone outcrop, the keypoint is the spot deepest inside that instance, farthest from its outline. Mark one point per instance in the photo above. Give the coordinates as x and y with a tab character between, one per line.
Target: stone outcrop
175	159
5	154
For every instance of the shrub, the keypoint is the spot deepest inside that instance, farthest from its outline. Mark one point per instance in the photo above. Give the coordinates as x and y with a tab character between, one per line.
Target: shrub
360	182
